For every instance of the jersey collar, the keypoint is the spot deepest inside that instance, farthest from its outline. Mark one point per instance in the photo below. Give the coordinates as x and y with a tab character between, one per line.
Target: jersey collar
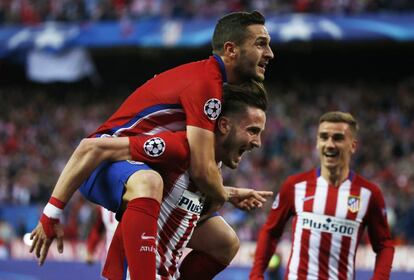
222	68
350	175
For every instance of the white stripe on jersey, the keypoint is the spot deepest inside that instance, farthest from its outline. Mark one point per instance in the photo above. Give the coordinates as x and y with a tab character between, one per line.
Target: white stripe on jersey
157	113
174	126
300	191
321	193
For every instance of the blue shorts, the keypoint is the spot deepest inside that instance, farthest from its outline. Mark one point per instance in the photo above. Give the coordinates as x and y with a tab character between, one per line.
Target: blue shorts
106	185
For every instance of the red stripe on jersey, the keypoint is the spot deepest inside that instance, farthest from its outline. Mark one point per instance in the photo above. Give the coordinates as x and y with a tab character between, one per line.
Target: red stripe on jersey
343	258
346	241
326	238
185	237
304	249
304	255
170	226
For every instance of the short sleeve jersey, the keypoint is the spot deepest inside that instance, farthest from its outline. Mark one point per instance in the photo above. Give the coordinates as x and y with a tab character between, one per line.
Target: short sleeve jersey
190	94
328	224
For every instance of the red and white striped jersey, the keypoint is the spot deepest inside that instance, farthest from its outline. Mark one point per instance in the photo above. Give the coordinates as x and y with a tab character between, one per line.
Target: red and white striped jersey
180	208
189	94
328	223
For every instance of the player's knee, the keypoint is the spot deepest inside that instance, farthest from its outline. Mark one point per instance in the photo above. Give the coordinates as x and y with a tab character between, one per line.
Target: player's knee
232	244
228	246
144	183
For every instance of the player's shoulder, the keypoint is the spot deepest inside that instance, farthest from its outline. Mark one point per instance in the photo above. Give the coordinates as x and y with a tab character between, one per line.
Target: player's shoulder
198	68
367	184
301	177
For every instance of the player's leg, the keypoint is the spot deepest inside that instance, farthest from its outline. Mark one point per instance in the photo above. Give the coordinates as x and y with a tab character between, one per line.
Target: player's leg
111	185
139	222
214	245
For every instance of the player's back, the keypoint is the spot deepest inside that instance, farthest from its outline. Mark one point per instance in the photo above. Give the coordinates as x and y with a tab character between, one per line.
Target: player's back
166	101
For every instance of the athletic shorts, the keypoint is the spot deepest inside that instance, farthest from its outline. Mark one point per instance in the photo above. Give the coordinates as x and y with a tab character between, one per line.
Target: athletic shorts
106	185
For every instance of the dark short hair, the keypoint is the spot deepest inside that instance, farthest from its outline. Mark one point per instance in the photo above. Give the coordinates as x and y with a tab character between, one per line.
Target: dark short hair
232	27
236	98
341	117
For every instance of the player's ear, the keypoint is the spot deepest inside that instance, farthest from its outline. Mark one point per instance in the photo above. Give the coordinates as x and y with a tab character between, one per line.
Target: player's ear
223	125
354	146
230	49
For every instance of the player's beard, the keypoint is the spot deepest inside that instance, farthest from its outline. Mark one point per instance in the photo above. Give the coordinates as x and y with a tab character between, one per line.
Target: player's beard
230	145
246	68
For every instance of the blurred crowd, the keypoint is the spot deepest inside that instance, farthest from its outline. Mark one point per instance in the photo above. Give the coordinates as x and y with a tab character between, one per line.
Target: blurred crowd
31	12
40	128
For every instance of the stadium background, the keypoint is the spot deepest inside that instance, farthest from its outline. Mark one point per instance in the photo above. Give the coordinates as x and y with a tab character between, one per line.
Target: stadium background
44	115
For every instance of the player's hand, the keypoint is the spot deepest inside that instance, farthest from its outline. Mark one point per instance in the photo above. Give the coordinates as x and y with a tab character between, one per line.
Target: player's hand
41	243
248	199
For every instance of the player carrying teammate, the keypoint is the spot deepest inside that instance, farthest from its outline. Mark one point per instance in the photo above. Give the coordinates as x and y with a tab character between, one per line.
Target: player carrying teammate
184	98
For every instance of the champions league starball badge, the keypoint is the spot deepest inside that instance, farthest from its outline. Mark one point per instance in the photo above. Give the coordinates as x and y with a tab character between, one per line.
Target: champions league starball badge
154	147
212	108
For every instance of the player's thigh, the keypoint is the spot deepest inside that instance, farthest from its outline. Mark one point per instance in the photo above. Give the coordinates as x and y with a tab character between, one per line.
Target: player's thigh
216	238
106	185
144	183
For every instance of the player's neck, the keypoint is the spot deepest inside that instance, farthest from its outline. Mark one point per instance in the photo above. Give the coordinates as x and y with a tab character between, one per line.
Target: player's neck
232	77
335	176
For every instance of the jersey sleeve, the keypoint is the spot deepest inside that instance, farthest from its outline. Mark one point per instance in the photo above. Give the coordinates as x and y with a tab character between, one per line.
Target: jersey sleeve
380	236
163	151
202	101
282	210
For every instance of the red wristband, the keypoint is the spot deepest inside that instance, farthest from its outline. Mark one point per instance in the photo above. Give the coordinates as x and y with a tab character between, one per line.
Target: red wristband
51	216
54	208
56	202
48	225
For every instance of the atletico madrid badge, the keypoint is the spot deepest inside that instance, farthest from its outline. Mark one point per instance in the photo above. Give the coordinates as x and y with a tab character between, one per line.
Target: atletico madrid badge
353	203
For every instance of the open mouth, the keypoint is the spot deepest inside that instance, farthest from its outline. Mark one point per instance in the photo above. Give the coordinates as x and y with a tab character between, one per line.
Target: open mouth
331	154
262	65
242	150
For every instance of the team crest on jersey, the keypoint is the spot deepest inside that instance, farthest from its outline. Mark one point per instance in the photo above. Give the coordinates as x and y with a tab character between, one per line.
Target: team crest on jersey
154	147
353	203
212	108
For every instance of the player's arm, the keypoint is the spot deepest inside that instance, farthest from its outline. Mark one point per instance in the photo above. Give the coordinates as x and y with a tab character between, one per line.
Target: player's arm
203	167
282	210
242	198
86	157
380	236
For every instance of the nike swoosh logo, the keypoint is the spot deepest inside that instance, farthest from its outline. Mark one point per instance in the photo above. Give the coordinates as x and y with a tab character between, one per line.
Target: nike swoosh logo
308	198
147	237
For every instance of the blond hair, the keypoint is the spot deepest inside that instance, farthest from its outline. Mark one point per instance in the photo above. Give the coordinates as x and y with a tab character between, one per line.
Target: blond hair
337	117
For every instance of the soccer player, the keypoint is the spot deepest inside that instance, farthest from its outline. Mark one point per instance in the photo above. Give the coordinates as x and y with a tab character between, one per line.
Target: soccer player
184	98
331	206
238	130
